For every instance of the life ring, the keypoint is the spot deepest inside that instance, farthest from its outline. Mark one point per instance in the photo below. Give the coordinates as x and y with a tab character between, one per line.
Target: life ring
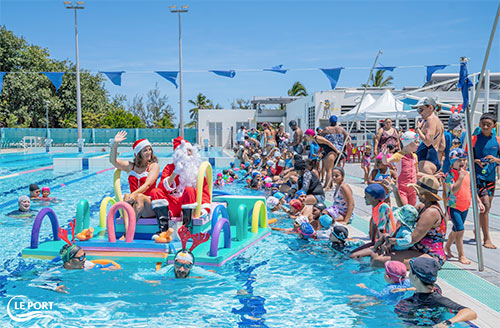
104	264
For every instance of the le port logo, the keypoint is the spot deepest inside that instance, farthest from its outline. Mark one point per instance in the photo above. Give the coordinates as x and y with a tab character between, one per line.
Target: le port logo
21	309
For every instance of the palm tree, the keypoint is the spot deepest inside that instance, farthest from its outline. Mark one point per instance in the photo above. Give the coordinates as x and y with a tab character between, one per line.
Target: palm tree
378	81
297	90
201	102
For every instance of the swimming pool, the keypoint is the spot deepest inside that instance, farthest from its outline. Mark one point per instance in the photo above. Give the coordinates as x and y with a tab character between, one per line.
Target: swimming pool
279	281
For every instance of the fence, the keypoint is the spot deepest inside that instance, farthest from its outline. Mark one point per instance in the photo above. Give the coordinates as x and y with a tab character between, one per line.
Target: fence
12	137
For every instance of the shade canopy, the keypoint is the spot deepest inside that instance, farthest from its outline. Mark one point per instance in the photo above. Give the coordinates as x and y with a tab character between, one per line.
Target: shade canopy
387	106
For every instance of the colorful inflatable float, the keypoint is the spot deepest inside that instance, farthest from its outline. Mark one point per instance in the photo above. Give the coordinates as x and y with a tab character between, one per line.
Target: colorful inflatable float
234	223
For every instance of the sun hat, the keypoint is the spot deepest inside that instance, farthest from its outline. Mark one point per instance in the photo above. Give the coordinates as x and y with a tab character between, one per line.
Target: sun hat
457	153
376	191
426	101
272	202
333	119
395	270
325	220
309	132
455	122
408	137
427	184
296	204
425	268
407	215
279	195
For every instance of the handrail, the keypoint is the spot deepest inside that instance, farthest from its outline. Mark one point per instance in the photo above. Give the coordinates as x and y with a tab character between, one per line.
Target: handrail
102	210
222	223
82	218
259	212
204	170
35	231
110	222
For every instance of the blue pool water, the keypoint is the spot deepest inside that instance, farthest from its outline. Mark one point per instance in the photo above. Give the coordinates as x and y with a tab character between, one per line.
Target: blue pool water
280	281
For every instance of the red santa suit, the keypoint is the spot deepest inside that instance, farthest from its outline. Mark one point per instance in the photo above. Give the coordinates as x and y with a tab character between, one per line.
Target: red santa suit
136	180
171	193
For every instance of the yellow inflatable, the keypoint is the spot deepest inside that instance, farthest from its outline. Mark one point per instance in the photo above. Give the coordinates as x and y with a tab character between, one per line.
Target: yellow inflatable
165	237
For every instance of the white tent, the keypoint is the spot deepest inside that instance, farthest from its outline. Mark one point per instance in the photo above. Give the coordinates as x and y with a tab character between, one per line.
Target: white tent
349	116
385	107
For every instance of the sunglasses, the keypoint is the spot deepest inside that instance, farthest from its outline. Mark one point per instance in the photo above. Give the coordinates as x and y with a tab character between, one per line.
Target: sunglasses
186	266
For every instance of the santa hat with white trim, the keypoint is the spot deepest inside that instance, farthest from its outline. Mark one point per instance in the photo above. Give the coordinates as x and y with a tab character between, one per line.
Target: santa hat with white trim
140	145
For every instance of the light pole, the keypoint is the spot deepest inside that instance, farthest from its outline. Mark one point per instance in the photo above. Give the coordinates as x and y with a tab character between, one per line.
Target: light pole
183	9
78	5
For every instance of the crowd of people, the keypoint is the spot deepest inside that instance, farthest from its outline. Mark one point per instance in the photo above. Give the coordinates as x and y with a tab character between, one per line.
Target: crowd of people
297	170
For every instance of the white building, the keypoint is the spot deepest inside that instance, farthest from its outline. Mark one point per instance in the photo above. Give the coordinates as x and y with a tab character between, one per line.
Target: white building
219	127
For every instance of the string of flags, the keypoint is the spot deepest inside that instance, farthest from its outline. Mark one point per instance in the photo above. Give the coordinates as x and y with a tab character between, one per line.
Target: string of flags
332	74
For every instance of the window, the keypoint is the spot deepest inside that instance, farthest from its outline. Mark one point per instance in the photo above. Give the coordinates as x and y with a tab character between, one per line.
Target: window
311	117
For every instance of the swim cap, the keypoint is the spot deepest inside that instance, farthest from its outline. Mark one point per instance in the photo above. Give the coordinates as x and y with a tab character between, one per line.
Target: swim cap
268	180
376	191
34	187
277	154
320	206
309	132
457	153
292	123
255	173
333	119
296	204
340	232
299	193
326	221
219	175
46	189
272	202
270	163
231	164
247	164
68	252
408	137
306	229
381	155
395	270
256	155
279	195
22	198
257	161
184	255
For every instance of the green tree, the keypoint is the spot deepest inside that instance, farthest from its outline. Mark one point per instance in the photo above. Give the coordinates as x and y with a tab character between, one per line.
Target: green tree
201	102
121	119
240	103
378	81
25	94
297	90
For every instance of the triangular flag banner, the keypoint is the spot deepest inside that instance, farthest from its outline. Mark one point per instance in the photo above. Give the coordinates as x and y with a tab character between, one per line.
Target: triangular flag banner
386	68
277	69
171	76
432	69
229	74
2	74
332	74
115	77
464	83
55	78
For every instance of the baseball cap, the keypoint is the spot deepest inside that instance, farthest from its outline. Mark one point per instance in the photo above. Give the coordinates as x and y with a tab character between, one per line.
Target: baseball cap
426	101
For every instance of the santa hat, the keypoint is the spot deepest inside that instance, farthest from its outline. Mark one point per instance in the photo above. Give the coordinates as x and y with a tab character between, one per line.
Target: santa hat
140	145
177	142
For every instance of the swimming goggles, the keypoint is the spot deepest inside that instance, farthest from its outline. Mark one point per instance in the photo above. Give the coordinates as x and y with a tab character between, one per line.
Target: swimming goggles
186	266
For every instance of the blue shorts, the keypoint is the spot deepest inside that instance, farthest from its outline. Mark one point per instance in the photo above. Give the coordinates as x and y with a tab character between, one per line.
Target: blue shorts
457	218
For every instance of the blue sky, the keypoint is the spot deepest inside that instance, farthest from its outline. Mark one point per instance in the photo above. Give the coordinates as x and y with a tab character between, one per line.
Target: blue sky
142	36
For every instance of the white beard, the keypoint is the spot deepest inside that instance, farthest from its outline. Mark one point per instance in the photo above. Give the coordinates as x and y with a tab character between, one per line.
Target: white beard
186	165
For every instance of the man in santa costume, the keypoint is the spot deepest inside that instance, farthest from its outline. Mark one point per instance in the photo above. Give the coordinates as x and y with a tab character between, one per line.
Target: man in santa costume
176	192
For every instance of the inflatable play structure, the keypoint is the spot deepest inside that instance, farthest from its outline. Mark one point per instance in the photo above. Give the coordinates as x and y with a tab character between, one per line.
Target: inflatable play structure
234	224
